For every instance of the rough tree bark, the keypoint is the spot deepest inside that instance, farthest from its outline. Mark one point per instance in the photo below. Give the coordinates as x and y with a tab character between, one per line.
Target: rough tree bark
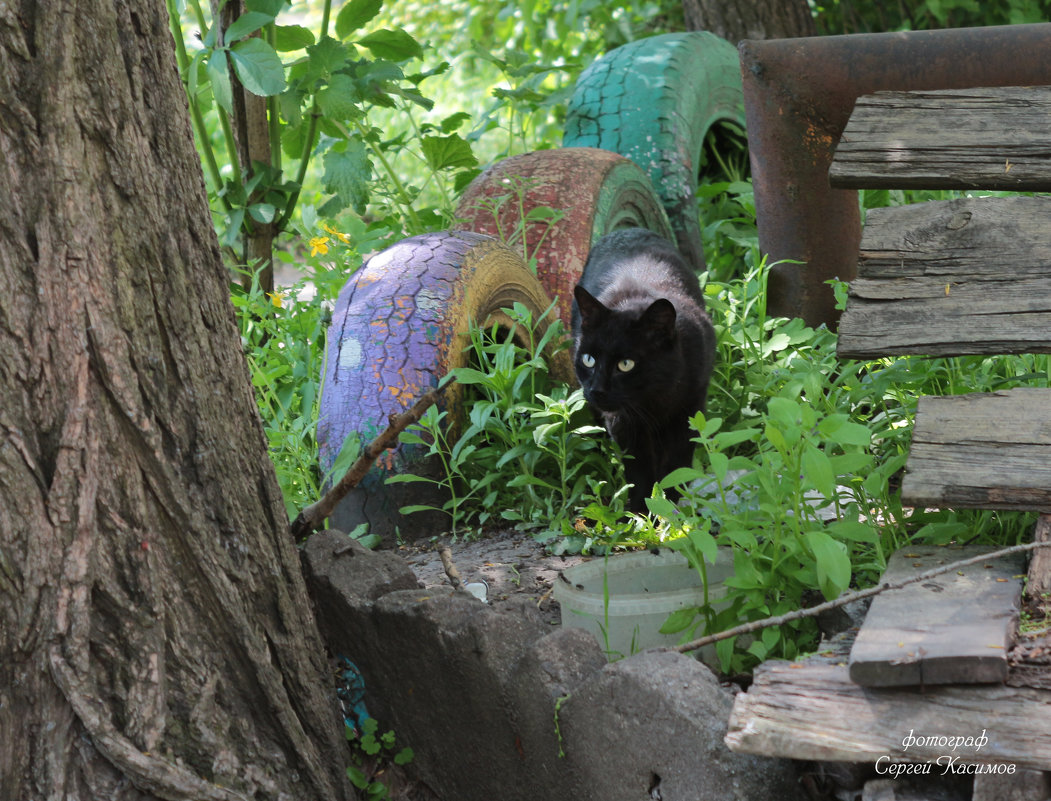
155	635
735	20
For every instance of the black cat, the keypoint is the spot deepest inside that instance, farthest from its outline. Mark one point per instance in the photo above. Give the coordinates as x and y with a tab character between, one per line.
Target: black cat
643	351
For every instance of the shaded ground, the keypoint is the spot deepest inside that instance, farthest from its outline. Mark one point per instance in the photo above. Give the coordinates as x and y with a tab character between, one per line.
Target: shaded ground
510	562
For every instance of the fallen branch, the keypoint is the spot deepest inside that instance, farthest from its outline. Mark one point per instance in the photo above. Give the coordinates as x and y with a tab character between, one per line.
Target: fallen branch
843	600
313	517
446	556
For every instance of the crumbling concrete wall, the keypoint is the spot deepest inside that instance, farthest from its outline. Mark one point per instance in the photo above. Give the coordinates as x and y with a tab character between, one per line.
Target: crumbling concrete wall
474	690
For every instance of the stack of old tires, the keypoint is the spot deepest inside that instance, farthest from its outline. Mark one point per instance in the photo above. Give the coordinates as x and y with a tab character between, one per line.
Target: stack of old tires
634	132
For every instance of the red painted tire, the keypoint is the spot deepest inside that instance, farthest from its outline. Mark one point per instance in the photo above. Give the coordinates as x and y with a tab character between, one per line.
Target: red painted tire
654	101
598	192
399	326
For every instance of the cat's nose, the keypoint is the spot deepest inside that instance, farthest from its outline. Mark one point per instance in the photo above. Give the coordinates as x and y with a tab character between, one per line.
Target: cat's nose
601	399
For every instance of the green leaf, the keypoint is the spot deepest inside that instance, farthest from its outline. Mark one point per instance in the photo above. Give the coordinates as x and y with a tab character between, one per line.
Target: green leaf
776	438
681	475
447	152
852	463
245	25
269	7
662	507
404	756
219	74
468	375
408	510
259	67
393	45
454	121
357	777
263	212
853	530
818	471
851	434
679	620
325	58
833	563
727	439
347	174
355	14
292	37
720	466
339	100
784	411
408	478
705	543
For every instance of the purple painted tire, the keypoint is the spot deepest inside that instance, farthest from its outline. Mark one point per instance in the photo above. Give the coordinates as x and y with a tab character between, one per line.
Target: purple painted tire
399	326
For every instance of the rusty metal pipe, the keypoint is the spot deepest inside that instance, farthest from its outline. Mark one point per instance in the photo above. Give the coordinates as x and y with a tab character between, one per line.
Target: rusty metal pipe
799	94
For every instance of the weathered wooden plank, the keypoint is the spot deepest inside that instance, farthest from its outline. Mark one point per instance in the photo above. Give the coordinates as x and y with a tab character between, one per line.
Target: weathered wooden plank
811	710
988	451
1038	582
952	629
968	276
993	138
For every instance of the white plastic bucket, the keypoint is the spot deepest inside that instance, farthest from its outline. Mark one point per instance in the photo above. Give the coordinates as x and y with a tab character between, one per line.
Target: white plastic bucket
643	589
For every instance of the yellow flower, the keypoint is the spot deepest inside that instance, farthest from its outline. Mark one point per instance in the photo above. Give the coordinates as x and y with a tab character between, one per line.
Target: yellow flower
276	298
341	237
319	244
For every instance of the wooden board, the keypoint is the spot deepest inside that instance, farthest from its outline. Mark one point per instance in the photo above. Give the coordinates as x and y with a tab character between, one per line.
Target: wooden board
952	629
946	278
1038	583
986	451
992	138
811	710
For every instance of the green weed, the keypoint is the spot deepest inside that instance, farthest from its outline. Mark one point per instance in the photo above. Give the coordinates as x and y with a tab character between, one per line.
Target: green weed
530	454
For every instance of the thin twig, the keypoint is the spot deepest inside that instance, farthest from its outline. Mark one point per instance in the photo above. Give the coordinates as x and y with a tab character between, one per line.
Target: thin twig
842	600
313	517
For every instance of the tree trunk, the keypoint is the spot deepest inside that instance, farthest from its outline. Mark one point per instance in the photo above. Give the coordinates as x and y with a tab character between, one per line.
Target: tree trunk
251	130
735	20
155	635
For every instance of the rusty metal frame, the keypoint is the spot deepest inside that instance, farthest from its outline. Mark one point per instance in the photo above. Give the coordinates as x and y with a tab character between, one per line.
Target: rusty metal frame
799	94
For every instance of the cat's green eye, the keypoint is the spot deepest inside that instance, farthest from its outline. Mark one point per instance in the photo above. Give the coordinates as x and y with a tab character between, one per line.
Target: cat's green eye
625	365
587	360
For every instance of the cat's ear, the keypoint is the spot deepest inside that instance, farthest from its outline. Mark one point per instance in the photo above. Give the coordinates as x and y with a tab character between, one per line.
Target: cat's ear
592	312
658	321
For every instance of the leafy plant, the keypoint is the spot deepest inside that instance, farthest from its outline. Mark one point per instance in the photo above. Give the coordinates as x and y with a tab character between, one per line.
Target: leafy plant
316	110
372	752
793	507
530	454
283	335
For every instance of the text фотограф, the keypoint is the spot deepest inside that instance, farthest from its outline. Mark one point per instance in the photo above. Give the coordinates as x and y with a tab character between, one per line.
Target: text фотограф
945	763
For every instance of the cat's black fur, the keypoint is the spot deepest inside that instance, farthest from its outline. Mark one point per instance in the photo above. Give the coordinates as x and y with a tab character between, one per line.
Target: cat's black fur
638	305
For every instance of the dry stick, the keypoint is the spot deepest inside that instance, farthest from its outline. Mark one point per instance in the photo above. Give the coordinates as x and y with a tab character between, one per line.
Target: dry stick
312	518
842	600
446	556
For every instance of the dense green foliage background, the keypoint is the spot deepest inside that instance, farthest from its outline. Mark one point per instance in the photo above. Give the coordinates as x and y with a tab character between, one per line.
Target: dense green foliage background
381	113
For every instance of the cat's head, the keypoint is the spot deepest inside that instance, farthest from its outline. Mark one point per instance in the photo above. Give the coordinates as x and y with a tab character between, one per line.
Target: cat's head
624	354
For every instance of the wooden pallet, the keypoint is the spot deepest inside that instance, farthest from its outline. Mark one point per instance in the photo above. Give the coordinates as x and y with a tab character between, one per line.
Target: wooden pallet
991	138
811	710
948	278
969	276
951	629
986	451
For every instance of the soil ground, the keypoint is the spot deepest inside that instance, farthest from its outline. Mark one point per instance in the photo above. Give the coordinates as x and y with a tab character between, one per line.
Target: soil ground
512	563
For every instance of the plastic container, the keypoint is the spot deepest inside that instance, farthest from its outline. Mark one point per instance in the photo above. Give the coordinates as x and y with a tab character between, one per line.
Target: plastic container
643	589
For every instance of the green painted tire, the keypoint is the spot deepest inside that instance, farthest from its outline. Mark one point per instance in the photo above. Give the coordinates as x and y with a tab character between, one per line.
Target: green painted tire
654	102
598	191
